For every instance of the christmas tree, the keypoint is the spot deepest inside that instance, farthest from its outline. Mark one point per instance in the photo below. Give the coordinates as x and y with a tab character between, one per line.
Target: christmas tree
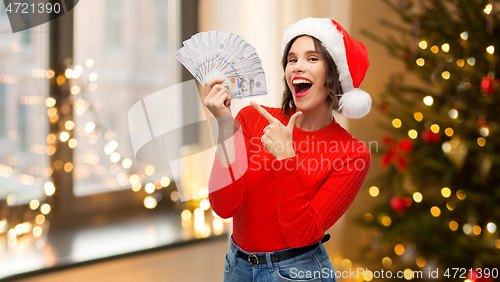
440	190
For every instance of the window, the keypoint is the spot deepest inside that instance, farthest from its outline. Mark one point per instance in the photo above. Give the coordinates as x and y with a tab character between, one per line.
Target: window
114	17
25	37
3	13
2	111
110	86
162	19
24	86
26	34
22	136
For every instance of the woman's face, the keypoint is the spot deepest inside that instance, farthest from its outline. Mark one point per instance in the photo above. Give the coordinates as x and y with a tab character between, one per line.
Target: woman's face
305	75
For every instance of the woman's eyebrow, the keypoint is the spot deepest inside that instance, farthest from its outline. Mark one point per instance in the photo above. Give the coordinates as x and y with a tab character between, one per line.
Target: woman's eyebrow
312	52
307	52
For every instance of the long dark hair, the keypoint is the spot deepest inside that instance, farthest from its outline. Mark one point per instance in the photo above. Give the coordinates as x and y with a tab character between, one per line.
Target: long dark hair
332	83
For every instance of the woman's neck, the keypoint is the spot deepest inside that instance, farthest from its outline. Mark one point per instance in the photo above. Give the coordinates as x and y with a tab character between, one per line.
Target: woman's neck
314	120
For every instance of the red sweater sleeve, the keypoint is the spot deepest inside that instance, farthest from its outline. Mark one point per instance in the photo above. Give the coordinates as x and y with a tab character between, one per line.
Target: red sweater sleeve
227	186
304	222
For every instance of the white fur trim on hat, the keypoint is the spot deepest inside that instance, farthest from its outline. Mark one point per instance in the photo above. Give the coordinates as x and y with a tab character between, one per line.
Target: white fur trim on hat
355	103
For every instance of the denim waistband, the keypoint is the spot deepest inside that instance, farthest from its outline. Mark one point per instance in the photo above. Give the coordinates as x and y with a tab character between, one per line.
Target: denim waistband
234	248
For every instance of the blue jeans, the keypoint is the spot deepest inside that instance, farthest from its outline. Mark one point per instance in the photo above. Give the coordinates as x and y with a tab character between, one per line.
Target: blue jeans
313	265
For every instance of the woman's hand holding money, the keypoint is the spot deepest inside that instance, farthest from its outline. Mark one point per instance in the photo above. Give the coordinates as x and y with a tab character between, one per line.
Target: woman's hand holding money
217	98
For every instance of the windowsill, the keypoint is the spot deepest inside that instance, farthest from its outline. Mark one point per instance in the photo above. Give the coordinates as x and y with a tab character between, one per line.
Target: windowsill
74	247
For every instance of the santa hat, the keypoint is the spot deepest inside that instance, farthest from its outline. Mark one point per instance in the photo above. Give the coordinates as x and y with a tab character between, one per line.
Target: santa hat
350	56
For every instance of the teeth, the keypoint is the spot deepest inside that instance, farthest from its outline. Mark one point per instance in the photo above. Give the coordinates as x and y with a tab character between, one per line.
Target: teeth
297	81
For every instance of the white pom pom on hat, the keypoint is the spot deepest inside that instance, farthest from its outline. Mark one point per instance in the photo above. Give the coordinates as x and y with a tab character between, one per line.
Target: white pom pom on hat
350	56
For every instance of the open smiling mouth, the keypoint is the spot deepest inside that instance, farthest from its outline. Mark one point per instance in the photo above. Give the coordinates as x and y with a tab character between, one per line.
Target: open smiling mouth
301	86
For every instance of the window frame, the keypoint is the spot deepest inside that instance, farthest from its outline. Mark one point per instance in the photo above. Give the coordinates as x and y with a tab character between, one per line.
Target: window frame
3	99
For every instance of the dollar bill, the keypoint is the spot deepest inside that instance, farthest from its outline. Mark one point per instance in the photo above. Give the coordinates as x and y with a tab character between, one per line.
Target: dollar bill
223	54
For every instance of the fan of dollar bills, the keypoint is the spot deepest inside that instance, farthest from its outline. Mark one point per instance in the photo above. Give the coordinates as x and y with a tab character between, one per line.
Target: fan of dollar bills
224	54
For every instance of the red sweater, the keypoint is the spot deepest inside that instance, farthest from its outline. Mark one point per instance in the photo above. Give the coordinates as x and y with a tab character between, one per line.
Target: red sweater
289	203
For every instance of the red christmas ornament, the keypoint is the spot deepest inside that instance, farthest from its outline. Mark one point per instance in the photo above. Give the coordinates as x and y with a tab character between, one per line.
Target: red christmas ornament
387	139
482	122
405	145
430	137
479	277
400	205
384	108
406	57
489	84
398	154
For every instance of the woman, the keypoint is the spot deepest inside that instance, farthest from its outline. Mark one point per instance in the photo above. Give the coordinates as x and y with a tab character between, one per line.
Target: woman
287	175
